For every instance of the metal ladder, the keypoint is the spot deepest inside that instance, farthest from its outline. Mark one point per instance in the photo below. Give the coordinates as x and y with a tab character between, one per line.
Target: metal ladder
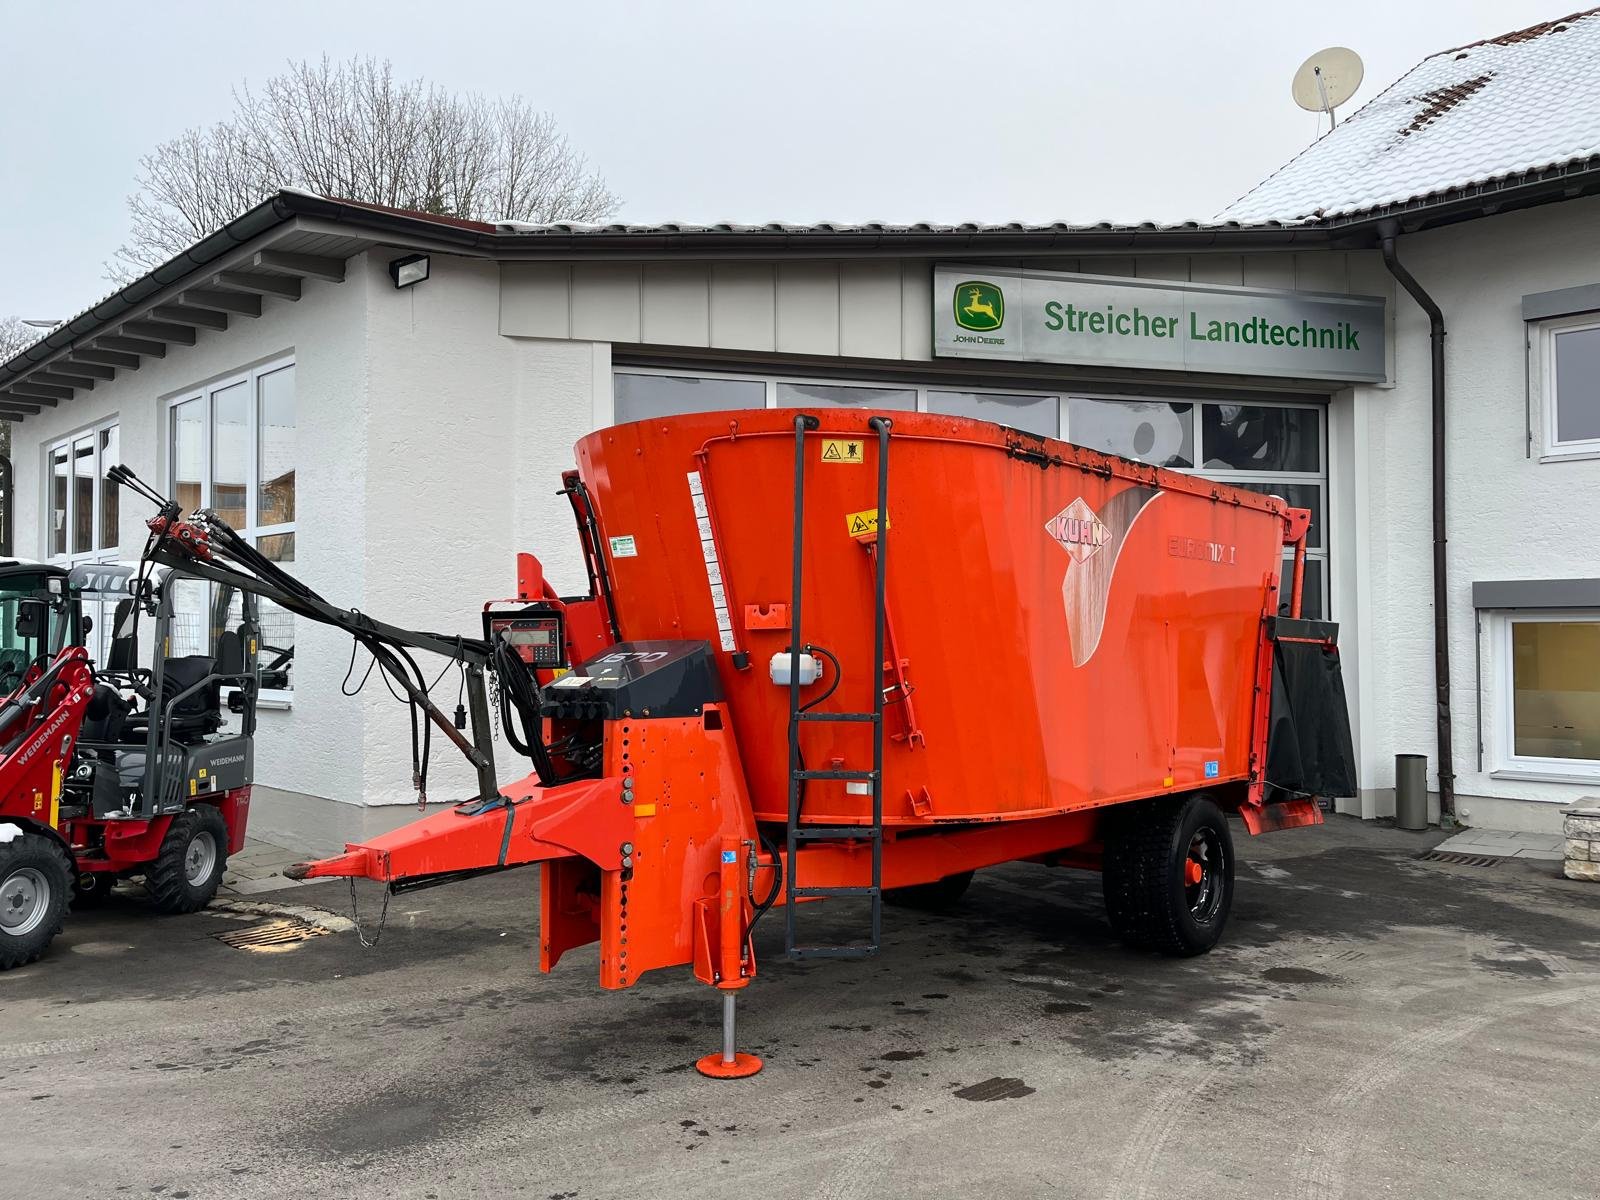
799	716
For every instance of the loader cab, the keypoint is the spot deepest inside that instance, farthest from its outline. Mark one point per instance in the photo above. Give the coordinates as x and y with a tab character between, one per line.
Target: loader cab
174	711
37	618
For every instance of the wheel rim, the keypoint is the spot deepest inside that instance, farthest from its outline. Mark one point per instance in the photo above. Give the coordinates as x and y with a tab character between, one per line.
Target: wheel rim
199	858
24	901
1205	868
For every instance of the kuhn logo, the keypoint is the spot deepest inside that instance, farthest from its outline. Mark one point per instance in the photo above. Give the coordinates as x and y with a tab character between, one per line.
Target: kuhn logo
1080	532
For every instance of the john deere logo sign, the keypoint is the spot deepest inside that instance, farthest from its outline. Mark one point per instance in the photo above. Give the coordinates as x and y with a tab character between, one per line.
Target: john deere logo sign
980	306
1113	321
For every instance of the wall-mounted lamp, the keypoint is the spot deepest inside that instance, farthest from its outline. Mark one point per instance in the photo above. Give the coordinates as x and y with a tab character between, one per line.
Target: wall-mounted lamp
408	270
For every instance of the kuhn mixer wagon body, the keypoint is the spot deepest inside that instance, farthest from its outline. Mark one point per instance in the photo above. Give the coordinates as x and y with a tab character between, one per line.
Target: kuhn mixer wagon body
834	655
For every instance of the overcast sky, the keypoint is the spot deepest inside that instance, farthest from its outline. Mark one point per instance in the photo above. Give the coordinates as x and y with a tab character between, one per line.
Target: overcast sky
756	111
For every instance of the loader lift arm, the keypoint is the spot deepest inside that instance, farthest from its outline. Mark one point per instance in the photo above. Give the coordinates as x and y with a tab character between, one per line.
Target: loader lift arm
205	546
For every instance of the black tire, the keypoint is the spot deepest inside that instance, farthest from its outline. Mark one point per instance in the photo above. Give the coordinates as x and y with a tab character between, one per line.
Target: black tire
35	890
188	871
91	889
1153	896
941	893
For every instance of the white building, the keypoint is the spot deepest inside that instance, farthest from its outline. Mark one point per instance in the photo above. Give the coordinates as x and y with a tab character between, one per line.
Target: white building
401	444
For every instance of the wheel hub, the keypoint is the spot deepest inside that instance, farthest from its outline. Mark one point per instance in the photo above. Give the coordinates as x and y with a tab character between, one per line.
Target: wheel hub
24	900
199	858
1203	875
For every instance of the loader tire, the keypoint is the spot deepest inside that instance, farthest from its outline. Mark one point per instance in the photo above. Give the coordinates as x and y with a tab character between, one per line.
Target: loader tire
940	894
188	871
35	890
1168	875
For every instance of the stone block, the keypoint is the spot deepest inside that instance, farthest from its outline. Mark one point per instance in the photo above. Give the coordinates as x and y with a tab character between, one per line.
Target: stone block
1578	850
1588	871
1582	827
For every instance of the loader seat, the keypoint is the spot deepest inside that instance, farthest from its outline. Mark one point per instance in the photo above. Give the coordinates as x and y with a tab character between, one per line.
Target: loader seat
192	717
105	715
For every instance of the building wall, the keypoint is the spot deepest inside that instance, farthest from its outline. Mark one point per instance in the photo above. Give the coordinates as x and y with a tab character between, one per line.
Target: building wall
1510	516
308	747
880	310
470	433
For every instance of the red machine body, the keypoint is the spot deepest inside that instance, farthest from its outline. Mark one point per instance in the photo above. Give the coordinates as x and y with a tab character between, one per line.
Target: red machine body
36	750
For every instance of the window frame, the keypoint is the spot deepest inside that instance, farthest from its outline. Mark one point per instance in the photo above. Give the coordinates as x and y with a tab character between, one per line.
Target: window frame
251	531
1546	387
96	552
1506	763
1318	478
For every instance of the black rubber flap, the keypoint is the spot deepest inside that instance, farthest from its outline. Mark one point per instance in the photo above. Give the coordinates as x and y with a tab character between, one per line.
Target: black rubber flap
1309	750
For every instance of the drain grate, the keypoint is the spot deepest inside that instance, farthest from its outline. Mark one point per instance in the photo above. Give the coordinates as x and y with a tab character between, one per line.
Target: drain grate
272	936
1461	860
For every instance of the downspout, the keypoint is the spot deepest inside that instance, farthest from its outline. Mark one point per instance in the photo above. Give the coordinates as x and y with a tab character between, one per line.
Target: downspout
1441	591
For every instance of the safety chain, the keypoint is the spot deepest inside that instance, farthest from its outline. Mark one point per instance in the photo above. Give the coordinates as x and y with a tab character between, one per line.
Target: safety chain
383	915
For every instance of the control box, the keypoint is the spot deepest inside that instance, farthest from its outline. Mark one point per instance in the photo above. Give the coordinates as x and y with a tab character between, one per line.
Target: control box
637	679
535	633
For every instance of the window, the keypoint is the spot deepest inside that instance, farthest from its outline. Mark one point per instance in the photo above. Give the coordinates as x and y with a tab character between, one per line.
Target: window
1548	667
1036	414
814	395
641	396
1151	431
231	448
1252	437
83	511
1567	365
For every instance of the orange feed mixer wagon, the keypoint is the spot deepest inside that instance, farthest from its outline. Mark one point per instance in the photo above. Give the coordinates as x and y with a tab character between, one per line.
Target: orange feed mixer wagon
834	656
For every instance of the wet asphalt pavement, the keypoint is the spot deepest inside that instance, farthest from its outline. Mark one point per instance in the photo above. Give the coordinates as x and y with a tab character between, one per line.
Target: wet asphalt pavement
1372	1025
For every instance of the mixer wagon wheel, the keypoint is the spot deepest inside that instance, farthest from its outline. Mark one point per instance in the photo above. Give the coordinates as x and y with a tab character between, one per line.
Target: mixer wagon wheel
941	893
1168	874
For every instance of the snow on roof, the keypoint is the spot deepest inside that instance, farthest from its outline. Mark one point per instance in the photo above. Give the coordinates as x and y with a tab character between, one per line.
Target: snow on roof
1523	101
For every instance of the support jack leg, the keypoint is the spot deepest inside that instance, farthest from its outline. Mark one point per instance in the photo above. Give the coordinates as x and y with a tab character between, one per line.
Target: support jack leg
729	1064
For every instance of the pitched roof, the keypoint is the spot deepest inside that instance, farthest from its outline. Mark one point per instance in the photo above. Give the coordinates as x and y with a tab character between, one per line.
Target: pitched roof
1523	102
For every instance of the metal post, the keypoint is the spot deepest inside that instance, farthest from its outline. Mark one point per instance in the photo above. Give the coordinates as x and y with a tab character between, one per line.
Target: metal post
727	1027
482	732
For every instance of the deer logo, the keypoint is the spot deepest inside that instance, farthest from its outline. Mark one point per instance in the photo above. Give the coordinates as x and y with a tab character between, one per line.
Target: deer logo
979	306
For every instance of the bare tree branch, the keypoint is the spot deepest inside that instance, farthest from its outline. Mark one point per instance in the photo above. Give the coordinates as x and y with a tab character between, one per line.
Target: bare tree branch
15	337
351	130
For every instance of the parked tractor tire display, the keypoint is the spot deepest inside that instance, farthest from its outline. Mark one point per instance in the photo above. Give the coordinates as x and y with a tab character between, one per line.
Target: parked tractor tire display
188	871
1168	875
35	889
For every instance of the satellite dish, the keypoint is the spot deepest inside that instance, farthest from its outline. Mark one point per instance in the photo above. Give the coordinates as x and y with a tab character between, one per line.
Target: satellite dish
1326	80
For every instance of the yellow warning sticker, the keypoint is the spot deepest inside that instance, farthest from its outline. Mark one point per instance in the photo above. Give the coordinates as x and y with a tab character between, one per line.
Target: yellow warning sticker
644	810
862	524
841	450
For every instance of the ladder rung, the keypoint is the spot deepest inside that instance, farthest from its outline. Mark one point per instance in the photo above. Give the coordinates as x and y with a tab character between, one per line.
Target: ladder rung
836	891
833	952
831	716
858	776
812	833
